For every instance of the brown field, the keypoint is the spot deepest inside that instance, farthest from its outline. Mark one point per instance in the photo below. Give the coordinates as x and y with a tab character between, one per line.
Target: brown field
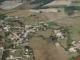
7	5
63	42
44	49
46	33
26	6
62	18
20	13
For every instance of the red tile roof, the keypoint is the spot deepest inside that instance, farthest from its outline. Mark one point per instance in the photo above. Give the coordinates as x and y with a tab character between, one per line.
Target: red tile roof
78	58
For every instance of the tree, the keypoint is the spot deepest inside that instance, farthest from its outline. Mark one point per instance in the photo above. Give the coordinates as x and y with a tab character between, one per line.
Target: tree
72	58
1	38
42	2
78	51
53	38
69	11
2	16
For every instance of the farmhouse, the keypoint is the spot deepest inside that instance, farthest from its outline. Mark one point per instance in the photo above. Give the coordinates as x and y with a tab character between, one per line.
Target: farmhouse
72	49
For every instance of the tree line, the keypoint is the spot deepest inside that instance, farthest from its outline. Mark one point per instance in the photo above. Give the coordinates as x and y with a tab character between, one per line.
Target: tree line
70	9
41	2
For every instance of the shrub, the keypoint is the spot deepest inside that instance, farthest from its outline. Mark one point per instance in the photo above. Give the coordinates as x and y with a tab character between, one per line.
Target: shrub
52	24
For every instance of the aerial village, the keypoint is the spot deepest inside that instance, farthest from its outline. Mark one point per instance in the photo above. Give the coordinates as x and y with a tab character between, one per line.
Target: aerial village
17	38
43	34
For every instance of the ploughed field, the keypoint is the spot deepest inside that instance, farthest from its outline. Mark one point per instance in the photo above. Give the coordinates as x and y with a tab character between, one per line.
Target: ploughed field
44	49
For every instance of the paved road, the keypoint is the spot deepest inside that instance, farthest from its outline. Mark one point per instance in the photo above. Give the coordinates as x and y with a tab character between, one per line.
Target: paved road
62	52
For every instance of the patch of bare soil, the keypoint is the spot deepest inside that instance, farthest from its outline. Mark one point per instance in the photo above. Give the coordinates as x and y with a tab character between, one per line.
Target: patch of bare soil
20	13
44	49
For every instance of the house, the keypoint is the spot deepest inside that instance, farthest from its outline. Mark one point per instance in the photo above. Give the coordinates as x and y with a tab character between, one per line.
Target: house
15	54
10	57
21	40
58	34
78	58
6	29
73	42
26	27
1	51
28	51
72	49
27	33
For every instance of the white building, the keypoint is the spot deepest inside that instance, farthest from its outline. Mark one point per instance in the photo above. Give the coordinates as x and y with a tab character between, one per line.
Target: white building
72	49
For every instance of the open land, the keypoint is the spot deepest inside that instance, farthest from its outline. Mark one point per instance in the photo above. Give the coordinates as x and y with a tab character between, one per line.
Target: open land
44	49
7	5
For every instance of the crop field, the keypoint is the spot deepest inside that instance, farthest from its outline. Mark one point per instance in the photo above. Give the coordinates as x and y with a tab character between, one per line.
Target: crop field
58	2
26	6
20	13
7	5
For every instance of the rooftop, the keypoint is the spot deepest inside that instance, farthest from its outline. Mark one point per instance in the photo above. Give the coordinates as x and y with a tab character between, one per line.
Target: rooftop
78	58
1	52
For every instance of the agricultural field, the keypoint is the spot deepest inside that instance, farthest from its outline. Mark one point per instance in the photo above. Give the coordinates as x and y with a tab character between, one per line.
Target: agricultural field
43	49
42	42
7	5
20	13
58	2
26	6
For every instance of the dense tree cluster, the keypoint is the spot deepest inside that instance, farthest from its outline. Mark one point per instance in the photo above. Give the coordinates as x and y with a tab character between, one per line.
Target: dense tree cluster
41	2
2	16
70	10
